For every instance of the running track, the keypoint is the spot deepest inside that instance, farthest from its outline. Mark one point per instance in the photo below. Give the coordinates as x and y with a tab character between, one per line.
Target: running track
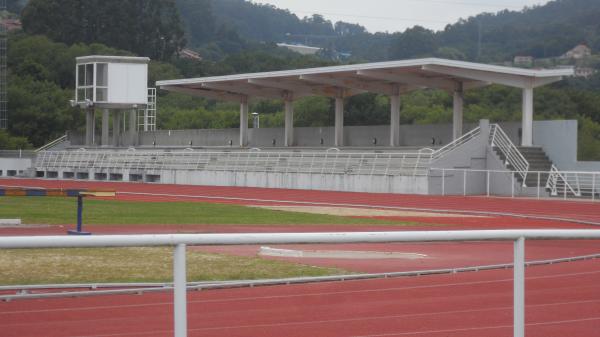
562	300
567	210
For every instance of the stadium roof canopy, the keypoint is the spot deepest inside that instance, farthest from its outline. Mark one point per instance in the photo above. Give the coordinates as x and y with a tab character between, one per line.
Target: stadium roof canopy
389	78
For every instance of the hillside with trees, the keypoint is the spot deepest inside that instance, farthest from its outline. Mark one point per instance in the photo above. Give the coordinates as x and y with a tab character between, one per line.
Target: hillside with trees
41	62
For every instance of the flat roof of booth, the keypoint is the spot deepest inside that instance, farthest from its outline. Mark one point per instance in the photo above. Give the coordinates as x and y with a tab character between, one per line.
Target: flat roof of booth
111	59
390	78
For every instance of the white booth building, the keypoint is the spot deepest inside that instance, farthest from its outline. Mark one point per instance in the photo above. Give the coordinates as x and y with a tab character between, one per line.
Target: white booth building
115	85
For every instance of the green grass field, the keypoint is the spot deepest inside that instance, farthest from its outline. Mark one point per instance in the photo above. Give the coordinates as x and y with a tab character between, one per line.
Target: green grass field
44	266
60	266
62	211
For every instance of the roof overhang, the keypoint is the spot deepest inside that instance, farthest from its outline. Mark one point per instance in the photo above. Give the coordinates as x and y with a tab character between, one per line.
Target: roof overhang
390	78
111	59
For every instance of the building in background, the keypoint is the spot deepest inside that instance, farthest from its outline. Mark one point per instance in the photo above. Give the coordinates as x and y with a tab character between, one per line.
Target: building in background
579	52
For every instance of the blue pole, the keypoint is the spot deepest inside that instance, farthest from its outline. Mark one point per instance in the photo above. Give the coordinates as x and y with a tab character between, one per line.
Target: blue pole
79	213
79	230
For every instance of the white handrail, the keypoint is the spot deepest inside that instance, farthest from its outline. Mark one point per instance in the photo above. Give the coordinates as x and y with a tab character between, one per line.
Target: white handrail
52	143
553	182
455	144
513	156
180	242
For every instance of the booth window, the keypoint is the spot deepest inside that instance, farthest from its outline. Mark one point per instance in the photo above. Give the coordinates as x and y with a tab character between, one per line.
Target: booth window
92	82
101	82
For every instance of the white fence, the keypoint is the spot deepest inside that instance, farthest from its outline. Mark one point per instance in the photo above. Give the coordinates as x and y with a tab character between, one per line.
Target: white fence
180	241
332	161
558	184
324	162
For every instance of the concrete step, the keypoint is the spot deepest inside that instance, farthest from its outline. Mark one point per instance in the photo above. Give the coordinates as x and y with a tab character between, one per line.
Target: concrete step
538	161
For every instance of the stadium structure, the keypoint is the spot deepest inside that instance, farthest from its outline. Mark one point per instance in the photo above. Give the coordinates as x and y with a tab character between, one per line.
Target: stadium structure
531	158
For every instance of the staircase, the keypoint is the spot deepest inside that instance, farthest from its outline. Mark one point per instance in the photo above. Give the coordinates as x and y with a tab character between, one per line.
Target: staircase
538	161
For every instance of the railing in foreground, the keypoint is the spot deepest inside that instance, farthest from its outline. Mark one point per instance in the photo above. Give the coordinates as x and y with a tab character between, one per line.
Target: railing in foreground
514	157
180	241
541	184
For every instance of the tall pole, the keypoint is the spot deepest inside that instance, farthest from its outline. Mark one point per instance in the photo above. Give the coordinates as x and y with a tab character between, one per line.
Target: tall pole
395	120
289	121
3	73
457	118
339	120
244	122
527	123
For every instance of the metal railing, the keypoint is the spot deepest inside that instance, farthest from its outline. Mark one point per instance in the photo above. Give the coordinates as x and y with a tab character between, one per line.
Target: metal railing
573	184
181	241
456	144
329	162
512	155
17	154
543	184
52	143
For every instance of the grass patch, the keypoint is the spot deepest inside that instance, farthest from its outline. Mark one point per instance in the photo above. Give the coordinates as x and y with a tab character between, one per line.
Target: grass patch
61	211
59	266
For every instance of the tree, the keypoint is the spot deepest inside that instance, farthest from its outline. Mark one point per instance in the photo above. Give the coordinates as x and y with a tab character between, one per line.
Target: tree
8	142
199	20
15	6
414	42
348	29
147	28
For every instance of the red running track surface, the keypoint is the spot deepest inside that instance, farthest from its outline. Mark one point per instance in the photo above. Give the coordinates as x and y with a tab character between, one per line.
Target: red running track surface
569	210
561	300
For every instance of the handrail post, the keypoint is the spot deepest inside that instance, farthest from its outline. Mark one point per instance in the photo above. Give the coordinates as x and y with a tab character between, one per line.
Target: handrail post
443	182
519	287
539	178
465	182
179	291
593	186
512	185
488	183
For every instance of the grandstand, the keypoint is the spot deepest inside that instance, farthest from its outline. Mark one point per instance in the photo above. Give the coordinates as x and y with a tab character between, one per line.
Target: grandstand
516	159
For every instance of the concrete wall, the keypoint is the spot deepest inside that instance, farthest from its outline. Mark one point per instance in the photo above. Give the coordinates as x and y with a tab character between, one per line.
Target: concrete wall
355	136
326	182
471	156
15	166
559	141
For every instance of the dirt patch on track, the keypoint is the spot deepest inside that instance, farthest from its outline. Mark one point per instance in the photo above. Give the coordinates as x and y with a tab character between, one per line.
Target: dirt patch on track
359	212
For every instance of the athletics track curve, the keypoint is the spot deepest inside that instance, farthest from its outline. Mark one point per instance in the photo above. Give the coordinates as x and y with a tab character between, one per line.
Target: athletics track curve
562	300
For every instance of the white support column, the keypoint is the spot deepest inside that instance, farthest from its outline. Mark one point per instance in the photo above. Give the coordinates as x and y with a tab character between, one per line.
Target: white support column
89	127
179	291
457	119
527	126
132	127
339	121
289	122
146	119
116	127
395	120
105	130
244	122
519	288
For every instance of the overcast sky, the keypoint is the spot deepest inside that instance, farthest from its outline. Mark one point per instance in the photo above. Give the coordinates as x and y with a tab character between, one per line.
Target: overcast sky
397	15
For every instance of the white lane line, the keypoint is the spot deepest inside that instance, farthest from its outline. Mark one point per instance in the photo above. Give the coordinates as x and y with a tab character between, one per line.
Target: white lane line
484	328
